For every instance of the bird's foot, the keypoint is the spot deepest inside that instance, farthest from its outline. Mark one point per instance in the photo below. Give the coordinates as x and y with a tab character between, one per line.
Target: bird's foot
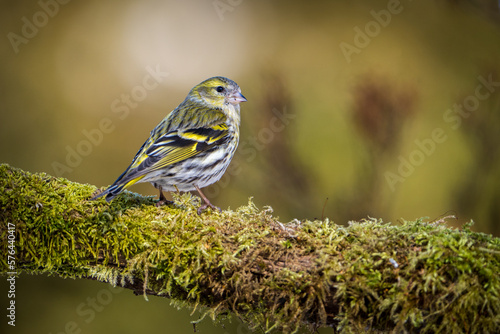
205	206
163	200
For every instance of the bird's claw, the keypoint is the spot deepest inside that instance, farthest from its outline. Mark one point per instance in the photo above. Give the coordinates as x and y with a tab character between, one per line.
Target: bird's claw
163	202
205	206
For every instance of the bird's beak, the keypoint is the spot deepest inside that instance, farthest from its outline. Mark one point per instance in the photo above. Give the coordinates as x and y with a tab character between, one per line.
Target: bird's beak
236	98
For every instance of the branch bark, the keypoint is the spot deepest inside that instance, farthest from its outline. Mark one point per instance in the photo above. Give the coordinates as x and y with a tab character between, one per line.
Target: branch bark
367	277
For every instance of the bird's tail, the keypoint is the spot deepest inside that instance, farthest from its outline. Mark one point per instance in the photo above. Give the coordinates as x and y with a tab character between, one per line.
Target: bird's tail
117	187
111	192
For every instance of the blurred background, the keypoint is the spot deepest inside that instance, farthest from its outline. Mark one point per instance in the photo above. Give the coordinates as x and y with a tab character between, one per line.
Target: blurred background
369	108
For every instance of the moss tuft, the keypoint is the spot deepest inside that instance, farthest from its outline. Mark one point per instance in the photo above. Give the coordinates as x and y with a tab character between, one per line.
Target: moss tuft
369	276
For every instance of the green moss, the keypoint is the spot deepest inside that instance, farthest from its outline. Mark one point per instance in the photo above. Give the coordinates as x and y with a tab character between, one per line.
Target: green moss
370	276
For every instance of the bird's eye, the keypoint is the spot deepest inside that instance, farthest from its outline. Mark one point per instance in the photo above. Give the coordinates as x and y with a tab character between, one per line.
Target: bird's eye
219	89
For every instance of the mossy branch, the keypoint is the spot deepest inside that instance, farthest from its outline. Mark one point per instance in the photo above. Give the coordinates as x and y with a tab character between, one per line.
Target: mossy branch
367	277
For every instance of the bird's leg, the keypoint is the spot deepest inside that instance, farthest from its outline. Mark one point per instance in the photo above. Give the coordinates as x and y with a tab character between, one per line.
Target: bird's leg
206	204
162	200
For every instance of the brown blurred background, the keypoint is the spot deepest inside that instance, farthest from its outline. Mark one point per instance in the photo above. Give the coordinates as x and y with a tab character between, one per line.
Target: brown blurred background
373	108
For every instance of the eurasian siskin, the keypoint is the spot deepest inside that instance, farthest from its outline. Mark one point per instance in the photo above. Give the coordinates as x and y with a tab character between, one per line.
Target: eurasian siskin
191	147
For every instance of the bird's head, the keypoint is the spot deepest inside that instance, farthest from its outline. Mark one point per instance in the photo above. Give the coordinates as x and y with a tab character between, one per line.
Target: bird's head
218	92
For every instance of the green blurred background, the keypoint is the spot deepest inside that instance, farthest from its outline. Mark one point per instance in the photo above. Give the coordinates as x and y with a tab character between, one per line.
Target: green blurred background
353	111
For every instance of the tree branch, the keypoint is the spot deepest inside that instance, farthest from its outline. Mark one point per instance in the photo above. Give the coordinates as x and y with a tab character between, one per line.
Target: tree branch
412	277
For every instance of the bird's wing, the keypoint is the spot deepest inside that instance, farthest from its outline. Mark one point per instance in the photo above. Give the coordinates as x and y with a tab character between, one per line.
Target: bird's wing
180	145
173	147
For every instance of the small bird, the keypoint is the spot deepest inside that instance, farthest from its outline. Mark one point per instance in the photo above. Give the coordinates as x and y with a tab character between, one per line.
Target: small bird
191	147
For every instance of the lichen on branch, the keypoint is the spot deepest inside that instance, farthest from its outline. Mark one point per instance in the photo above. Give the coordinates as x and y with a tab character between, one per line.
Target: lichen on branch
369	276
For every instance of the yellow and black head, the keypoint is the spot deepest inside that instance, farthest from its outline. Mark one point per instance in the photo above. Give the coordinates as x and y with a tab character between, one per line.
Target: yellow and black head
218	92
